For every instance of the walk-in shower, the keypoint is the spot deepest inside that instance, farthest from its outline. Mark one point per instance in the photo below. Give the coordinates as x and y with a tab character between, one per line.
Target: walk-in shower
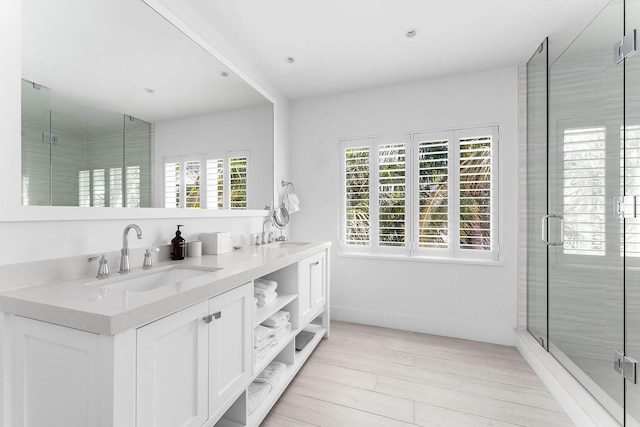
583	219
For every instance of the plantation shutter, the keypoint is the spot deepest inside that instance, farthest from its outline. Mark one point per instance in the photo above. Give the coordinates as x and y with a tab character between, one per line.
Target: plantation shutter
238	182
392	215
432	172
476	227
171	184
115	187
215	183
356	193
584	210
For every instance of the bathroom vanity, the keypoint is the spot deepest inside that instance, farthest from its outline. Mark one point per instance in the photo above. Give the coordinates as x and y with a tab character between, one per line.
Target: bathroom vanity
171	346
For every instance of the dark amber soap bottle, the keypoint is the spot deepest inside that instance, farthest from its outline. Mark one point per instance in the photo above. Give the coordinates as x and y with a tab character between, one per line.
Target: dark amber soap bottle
178	245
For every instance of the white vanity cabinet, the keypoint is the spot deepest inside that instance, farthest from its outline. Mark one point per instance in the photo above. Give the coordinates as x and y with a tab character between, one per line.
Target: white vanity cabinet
191	365
312	285
57	375
172	369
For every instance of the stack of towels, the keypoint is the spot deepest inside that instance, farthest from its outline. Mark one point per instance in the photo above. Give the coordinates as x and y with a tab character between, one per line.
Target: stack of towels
262	385
264	339
264	291
279	324
270	333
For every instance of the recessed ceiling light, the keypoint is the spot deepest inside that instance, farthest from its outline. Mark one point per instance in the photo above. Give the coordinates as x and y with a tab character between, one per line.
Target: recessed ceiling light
148	90
289	59
224	74
411	33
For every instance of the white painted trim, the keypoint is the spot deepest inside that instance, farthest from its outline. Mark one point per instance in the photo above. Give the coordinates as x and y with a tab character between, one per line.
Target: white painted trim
497	334
581	407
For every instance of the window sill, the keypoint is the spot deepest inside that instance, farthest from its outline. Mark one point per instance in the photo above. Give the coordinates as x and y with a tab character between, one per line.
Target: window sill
389	257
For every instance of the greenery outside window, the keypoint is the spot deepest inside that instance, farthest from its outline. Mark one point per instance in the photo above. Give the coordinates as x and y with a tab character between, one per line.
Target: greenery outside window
429	194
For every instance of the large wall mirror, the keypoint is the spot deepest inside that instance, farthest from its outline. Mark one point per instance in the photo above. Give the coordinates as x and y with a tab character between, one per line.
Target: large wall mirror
122	109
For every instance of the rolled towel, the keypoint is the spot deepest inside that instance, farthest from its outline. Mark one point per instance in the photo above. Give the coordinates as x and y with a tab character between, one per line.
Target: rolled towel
261	334
265	284
278	319
256	393
271	374
265	297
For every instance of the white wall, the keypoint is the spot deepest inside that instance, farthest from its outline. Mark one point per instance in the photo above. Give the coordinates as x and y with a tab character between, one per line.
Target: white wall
462	300
33	233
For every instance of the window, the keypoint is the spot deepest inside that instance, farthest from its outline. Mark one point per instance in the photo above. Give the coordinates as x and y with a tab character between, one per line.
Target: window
209	181
104	187
431	194
584	171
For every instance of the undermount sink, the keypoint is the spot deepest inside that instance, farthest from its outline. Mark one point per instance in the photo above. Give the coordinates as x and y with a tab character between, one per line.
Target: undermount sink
153	279
291	244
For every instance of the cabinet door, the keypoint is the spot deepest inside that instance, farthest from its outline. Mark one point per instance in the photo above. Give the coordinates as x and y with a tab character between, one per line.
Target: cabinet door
57	380
172	370
311	285
230	341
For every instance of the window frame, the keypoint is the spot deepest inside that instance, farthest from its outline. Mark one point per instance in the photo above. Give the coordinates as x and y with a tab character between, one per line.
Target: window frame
411	248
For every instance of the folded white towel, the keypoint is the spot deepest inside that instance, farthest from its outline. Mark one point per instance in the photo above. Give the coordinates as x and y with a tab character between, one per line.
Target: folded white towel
255	301
260	353
278	319
265	284
282	331
256	393
261	334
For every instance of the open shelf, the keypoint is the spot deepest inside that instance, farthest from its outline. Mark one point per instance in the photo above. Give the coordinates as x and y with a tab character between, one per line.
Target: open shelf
300	357
261	314
259	366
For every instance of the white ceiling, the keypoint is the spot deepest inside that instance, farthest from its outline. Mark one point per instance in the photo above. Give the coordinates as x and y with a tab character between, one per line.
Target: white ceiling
344	45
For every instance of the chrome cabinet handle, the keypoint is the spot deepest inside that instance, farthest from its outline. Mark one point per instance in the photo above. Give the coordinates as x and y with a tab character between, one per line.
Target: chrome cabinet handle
209	318
545	223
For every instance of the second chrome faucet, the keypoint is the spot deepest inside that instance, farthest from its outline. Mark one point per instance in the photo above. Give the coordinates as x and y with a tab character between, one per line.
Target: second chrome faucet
124	252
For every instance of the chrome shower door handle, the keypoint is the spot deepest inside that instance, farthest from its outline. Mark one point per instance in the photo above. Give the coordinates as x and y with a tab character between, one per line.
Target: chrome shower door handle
545	229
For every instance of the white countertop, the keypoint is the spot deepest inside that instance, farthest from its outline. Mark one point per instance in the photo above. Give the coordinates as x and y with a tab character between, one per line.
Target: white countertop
84	303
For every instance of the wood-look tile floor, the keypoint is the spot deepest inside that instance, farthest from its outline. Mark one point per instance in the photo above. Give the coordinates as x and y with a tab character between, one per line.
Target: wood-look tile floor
370	376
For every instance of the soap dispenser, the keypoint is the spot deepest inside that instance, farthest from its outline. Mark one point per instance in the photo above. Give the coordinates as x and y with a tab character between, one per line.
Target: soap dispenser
178	245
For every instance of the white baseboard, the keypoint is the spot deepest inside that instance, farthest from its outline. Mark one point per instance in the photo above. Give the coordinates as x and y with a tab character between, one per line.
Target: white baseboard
475	332
581	407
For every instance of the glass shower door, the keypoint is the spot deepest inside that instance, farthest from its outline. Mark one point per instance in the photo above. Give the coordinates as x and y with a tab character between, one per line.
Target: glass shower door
631	170
585	260
537	78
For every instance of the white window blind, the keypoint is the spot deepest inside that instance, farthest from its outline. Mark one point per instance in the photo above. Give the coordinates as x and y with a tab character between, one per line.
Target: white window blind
392	195
215	183
172	193
192	184
133	187
357	196
433	192
115	187
630	177
238	182
84	188
433	186
475	188
207	181
584	210
98	188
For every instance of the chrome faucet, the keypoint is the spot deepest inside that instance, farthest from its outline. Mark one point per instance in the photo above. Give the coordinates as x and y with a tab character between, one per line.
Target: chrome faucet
266	239
124	253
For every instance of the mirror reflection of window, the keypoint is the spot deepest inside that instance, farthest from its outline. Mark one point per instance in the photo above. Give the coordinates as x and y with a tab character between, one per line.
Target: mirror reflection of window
208	181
